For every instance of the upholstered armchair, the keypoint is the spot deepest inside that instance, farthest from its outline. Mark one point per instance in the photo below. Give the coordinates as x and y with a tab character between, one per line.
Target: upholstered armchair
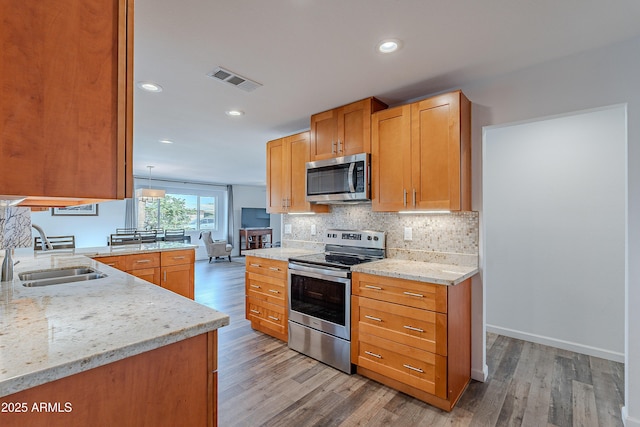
215	249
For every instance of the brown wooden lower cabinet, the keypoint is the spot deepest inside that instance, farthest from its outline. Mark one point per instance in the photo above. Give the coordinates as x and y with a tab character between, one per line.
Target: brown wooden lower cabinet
177	272
413	336
173	270
266	296
174	385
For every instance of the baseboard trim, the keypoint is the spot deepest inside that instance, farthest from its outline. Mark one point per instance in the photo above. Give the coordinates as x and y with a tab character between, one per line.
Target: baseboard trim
627	420
480	375
562	344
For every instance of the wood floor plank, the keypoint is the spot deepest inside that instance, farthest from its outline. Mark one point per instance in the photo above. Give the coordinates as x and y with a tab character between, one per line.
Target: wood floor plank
584	409
261	382
538	401
604	387
561	412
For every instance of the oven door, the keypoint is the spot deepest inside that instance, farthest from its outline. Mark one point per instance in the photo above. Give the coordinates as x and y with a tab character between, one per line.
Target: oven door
320	298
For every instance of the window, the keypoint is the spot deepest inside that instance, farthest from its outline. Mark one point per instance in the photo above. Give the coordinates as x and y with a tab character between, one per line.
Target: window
188	211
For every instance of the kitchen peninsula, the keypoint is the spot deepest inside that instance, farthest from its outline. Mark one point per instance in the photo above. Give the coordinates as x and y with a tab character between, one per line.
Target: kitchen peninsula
116	350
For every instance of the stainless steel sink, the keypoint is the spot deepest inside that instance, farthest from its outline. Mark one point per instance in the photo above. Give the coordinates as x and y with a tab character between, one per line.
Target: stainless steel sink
60	275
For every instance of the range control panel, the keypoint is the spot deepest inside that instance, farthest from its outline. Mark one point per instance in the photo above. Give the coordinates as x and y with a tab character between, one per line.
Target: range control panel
360	238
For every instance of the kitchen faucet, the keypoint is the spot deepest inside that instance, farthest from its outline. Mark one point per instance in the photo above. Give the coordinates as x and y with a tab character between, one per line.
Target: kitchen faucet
46	244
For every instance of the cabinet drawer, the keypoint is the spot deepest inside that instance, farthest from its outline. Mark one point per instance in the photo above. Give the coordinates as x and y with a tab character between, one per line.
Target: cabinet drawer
147	260
113	261
266	288
267	267
177	257
267	315
427	296
425	330
416	368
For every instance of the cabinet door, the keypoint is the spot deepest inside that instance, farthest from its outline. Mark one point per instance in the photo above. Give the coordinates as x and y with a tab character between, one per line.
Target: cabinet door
149	274
179	279
276	162
354	128
436	152
324	138
66	101
297	147
391	159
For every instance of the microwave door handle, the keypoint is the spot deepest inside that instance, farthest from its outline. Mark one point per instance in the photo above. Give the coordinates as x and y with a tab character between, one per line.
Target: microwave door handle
352	167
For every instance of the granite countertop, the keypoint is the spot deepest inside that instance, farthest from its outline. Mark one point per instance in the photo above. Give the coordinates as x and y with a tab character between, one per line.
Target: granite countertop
422	271
126	249
50	332
100	251
441	274
280	254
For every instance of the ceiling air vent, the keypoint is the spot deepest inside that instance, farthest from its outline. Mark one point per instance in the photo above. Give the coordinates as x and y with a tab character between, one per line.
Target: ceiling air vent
233	79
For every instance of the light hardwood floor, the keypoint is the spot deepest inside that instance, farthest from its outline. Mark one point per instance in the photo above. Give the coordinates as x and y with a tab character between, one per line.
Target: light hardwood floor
264	383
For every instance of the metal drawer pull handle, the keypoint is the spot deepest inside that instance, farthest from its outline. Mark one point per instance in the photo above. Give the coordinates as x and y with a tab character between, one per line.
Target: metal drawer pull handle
111	264
373	354
377	288
255	286
254	265
255	311
142	261
273	291
411	328
274	268
179	257
413	295
373	318
274	318
414	369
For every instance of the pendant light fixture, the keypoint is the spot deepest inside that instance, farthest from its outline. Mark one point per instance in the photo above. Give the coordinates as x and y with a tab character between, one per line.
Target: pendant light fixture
149	194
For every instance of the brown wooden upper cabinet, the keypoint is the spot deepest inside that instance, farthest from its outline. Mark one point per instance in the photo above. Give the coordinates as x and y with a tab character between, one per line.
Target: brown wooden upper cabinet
66	104
344	130
421	155
286	170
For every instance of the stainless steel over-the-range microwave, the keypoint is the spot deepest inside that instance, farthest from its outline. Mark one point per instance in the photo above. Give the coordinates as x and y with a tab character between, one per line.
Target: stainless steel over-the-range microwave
339	180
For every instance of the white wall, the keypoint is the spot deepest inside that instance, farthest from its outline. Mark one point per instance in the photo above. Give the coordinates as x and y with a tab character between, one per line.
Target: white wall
554	196
90	231
593	79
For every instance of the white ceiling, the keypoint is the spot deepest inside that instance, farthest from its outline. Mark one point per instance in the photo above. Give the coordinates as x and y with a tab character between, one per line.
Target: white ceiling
313	55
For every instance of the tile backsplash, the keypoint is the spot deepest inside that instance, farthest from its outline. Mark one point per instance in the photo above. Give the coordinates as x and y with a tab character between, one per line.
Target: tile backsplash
15	227
448	238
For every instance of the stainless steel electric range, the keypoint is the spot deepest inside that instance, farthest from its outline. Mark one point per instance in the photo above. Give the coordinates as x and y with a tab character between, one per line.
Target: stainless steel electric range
320	295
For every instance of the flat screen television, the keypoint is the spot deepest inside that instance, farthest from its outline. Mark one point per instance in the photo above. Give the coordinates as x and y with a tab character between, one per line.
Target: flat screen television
255	218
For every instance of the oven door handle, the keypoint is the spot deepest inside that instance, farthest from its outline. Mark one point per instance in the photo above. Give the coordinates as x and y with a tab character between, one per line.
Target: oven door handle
321	272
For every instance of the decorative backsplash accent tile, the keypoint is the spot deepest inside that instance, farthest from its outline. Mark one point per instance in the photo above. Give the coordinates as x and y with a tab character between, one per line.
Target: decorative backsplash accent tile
15	227
450	238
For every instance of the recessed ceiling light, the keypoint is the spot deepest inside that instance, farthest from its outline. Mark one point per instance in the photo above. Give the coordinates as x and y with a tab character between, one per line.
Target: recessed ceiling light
150	86
388	46
166	141
235	113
